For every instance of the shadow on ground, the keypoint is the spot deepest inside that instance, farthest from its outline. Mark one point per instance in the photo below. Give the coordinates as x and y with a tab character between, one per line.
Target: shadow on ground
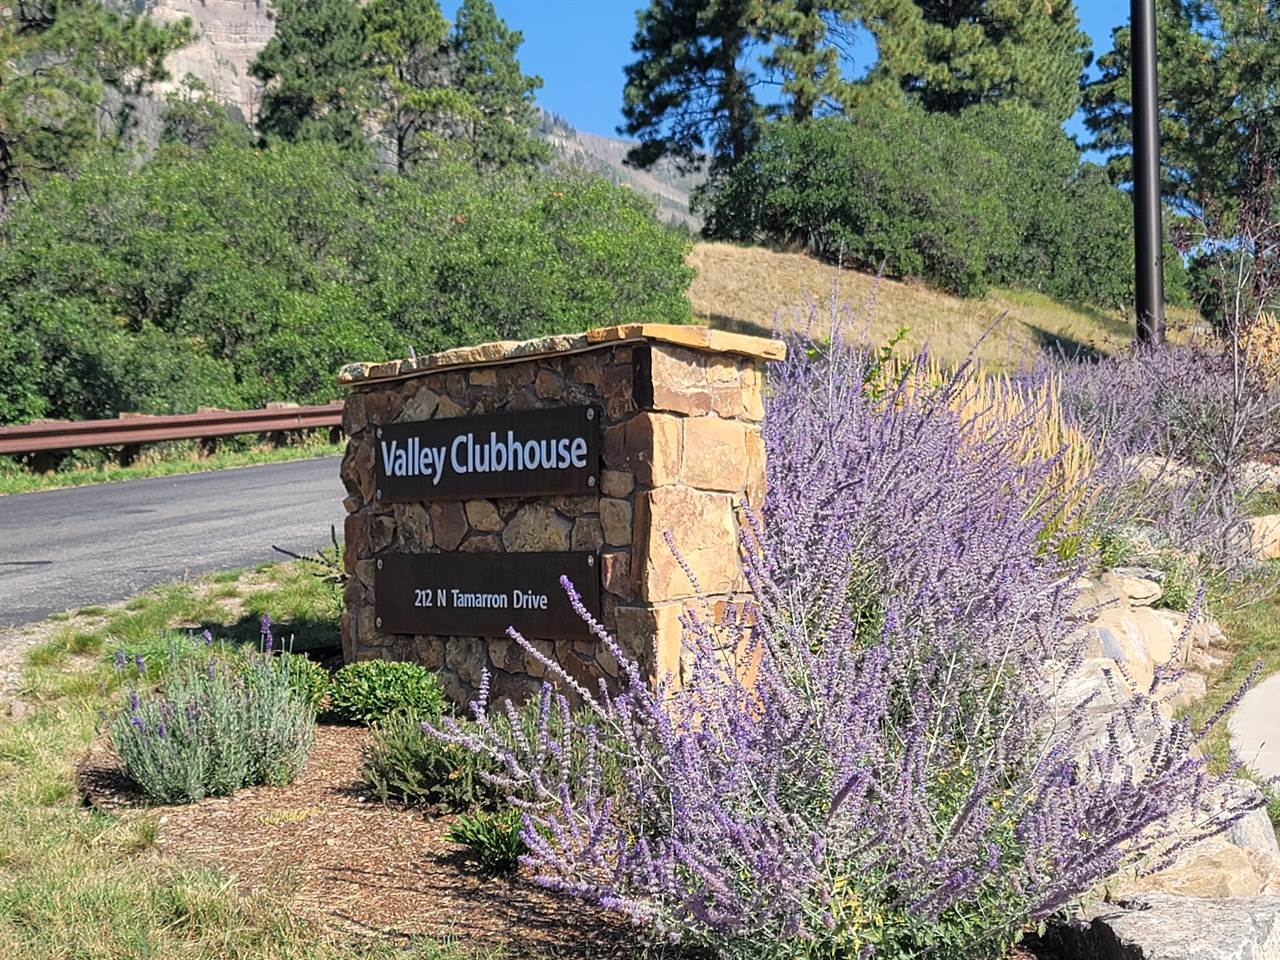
315	637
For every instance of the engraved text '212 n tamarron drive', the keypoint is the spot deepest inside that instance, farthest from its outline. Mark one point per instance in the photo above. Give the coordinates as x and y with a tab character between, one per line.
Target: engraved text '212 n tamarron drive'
527	454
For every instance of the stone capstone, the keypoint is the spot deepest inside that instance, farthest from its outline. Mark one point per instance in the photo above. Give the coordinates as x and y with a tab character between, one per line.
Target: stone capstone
674	338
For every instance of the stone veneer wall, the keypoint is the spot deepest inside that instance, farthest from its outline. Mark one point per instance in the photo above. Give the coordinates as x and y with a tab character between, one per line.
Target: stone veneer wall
682	451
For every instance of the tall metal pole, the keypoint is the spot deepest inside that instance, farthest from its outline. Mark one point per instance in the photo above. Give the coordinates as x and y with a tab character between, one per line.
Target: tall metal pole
1148	235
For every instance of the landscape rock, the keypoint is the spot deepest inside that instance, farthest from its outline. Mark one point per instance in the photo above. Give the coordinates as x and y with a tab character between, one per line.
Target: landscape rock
1164	927
1213	868
1141	586
1264	532
1254	831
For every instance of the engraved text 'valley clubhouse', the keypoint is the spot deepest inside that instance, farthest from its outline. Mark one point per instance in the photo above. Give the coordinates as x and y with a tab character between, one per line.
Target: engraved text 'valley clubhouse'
530	453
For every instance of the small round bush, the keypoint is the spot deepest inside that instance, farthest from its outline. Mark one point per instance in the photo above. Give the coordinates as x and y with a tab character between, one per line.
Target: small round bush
372	690
492	837
310	680
404	765
213	727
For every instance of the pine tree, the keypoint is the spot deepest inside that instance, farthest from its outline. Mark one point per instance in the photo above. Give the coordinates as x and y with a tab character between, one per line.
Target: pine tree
408	51
1219	69
951	54
318	80
58	61
801	53
687	94
502	118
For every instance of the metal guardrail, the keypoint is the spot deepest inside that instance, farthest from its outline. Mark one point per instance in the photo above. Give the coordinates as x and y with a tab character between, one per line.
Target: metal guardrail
54	435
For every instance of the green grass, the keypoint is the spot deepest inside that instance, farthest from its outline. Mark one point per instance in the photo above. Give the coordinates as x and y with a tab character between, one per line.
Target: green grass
14	478
1263	502
76	883
1253	636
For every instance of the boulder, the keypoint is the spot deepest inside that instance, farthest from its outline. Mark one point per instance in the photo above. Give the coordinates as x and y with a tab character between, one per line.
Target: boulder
1141	586
1264	532
1254	831
1212	869
1163	927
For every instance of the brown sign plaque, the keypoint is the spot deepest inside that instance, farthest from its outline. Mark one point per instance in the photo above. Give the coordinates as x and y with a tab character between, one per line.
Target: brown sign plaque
527	454
482	594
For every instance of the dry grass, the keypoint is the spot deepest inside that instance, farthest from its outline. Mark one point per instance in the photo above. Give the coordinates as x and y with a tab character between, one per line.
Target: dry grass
741	288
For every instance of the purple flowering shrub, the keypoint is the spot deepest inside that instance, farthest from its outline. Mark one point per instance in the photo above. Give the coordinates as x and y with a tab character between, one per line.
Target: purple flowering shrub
219	720
891	748
1180	429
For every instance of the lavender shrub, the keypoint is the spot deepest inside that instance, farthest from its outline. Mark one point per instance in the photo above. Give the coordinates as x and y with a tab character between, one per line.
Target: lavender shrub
894	759
1180	428
217	723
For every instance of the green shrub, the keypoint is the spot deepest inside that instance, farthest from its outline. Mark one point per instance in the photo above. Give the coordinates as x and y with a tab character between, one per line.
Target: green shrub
214	727
234	276
310	680
492	838
994	195
1181	583
402	764
1116	547
372	690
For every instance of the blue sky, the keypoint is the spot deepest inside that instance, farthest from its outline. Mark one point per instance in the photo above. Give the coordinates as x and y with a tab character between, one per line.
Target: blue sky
579	48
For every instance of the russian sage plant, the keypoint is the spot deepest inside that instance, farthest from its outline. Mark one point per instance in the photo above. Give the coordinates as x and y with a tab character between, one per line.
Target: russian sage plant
1180	428
891	749
214	726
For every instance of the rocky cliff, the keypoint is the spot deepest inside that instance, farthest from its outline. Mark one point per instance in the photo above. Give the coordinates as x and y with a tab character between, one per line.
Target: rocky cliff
231	32
229	35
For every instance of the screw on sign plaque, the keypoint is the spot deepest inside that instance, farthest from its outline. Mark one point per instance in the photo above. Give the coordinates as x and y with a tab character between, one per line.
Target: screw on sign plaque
530	453
482	594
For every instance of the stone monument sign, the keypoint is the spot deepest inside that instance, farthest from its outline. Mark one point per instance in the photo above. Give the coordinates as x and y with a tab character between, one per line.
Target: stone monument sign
477	477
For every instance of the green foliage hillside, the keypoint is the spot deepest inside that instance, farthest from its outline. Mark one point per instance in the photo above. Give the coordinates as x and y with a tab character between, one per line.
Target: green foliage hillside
237	276
995	195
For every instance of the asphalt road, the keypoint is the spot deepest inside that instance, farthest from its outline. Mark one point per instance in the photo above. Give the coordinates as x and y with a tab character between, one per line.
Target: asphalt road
66	549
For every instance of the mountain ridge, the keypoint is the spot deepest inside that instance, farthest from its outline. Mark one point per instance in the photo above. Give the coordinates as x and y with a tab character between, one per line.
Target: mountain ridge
230	33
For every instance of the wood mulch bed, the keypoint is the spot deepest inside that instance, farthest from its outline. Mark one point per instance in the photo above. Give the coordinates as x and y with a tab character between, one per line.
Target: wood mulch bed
360	866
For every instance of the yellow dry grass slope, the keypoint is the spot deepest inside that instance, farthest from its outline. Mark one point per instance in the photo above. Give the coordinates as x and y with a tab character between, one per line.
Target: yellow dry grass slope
744	288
